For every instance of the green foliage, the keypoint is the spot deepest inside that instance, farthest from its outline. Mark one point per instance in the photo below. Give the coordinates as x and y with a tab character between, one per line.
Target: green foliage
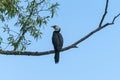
8	8
29	17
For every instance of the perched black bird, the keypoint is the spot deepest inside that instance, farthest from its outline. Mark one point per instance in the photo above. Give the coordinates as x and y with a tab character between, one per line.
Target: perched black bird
57	41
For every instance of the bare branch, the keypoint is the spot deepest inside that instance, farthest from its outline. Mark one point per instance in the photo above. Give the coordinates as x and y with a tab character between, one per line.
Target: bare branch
105	12
115	18
107	24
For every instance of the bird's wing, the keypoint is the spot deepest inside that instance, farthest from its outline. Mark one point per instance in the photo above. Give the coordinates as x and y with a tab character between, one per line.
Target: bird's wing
60	41
55	41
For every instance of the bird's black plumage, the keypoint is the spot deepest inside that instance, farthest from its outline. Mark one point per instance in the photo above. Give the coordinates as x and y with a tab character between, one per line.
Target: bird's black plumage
57	41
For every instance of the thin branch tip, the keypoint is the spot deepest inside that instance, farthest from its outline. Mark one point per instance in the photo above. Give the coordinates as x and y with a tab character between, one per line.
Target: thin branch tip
115	18
105	13
76	46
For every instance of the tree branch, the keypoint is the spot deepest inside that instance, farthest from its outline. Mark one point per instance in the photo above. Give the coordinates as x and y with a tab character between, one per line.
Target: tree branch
74	45
24	29
105	12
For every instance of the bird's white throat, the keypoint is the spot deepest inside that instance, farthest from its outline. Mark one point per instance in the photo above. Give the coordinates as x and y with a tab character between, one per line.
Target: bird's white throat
57	28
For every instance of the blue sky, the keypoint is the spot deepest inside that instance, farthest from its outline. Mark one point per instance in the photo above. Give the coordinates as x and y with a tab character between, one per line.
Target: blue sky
96	58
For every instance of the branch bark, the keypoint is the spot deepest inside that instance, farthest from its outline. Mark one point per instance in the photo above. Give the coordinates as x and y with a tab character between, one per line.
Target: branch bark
74	45
105	12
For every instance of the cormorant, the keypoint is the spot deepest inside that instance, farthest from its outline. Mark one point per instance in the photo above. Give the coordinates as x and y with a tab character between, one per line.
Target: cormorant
57	41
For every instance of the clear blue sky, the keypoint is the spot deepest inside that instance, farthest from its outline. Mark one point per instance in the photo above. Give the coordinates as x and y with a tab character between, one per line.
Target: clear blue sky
97	58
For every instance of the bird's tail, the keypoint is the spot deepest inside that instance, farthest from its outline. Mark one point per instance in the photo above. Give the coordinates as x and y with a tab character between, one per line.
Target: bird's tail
56	57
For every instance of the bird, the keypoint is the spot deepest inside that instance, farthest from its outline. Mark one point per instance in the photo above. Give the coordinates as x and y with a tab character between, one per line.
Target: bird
57	41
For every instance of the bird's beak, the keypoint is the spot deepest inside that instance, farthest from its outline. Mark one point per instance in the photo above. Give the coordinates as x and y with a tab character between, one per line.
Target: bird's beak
51	26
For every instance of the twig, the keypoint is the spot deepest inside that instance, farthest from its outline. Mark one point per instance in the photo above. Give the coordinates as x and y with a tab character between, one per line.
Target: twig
105	12
23	29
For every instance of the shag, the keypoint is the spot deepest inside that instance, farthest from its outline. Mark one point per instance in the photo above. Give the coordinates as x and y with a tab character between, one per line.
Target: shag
57	41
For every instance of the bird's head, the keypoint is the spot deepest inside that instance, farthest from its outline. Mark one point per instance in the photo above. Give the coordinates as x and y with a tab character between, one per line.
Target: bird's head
56	28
